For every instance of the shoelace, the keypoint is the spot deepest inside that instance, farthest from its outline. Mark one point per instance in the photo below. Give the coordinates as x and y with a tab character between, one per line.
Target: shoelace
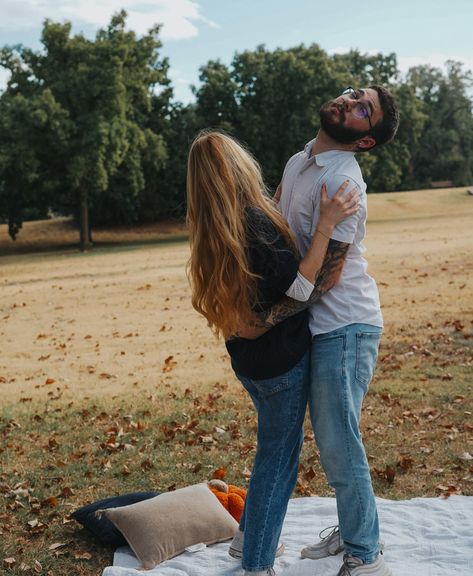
348	562
333	530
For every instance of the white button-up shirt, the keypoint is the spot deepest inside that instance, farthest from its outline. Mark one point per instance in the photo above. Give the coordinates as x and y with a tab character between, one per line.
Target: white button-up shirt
355	298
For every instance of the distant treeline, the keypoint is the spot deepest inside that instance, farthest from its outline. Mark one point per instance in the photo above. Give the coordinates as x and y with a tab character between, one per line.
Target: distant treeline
89	128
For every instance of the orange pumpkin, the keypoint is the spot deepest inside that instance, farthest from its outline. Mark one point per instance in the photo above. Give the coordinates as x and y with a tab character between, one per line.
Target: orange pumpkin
230	496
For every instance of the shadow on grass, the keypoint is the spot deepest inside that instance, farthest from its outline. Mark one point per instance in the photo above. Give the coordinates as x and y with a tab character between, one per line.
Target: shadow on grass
98	247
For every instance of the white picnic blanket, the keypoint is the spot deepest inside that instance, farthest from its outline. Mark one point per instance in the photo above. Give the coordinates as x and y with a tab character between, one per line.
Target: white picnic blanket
423	537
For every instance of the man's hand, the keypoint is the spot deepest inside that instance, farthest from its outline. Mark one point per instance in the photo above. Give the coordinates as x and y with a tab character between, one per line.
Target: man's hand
327	277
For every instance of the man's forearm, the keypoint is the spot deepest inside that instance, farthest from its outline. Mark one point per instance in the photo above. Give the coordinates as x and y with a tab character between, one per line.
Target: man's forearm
326	278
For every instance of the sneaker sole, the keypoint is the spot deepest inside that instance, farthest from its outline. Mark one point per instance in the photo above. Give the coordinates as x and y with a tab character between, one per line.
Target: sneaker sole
314	555
238	554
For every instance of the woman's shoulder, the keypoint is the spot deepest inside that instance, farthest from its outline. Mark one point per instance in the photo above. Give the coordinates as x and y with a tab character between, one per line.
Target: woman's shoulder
259	225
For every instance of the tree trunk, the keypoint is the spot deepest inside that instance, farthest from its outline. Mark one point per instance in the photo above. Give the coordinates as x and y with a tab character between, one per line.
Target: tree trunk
85	234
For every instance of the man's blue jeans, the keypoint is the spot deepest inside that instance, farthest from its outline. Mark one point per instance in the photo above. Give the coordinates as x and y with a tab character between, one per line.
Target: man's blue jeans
281	404
342	365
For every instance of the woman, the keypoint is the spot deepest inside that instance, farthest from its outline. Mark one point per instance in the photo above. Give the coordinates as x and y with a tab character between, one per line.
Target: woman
244	260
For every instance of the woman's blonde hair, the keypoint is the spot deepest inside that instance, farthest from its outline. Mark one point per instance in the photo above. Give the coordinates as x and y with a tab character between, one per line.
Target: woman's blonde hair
223	180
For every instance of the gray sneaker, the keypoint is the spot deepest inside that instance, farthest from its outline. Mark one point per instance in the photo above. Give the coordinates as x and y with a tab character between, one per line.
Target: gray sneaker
353	566
268	572
330	544
236	546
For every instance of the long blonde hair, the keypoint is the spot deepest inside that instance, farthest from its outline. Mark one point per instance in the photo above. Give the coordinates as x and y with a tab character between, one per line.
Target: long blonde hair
223	180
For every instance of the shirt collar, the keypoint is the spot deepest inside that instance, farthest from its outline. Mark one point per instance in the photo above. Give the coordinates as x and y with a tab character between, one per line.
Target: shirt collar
324	158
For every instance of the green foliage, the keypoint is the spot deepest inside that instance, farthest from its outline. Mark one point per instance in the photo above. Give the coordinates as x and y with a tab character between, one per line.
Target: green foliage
271	100
164	195
32	129
104	90
89	125
446	149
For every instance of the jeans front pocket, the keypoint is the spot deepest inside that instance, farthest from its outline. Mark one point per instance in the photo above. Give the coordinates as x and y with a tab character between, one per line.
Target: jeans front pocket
328	357
367	344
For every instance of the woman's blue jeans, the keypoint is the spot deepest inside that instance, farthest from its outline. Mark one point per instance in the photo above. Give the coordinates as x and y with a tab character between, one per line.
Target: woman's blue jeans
281	404
342	365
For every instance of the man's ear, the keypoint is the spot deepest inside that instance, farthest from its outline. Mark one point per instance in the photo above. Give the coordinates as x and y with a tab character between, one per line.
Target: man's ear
366	143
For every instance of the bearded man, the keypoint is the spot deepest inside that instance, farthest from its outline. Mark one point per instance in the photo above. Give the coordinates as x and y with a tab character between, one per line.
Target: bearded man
345	316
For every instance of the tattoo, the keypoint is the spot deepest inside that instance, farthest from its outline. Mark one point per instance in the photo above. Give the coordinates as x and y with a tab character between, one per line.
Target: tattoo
326	278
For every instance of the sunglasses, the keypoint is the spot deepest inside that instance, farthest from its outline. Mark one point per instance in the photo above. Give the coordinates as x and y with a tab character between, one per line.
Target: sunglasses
360	110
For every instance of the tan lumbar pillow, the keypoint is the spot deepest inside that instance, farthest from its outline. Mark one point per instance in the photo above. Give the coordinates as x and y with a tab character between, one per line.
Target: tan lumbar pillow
164	526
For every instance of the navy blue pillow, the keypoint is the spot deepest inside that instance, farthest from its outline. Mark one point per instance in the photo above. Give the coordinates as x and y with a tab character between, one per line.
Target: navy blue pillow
103	528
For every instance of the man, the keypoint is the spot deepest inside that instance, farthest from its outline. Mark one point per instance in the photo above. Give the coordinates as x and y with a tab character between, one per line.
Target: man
345	316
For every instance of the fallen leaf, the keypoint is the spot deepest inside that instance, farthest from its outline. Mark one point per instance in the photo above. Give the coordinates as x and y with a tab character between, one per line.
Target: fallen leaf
147	464
405	462
169	364
66	492
466	456
390	474
310	474
56	545
206	439
9	562
219	474
246	472
82	555
51	501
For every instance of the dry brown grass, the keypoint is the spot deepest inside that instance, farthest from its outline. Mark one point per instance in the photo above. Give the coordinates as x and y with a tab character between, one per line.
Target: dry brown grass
86	372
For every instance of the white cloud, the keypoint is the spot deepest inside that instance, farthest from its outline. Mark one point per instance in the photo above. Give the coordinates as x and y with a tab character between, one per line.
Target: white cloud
179	17
436	60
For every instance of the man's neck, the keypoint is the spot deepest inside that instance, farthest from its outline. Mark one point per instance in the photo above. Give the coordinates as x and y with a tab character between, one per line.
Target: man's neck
323	143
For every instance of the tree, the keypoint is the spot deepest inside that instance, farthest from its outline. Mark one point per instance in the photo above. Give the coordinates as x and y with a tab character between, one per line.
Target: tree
30	129
105	89
268	99
446	148
164	195
271	101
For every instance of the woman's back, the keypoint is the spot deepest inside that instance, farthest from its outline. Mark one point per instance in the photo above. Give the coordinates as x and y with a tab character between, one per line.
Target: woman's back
272	259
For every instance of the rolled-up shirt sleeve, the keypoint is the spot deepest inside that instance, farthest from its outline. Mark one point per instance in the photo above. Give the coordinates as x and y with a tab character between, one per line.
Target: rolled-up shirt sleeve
300	289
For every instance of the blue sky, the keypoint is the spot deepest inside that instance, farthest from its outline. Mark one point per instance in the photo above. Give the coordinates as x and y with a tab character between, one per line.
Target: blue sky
195	31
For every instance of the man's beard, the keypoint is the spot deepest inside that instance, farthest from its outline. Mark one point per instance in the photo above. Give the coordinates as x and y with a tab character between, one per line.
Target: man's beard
335	128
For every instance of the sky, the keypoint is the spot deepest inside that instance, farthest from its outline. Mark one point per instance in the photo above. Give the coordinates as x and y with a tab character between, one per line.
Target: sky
195	31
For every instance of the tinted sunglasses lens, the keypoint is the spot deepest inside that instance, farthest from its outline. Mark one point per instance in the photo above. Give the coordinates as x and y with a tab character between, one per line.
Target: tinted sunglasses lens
361	111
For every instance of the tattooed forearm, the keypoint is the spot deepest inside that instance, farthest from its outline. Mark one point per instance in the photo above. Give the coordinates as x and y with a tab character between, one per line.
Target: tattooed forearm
326	279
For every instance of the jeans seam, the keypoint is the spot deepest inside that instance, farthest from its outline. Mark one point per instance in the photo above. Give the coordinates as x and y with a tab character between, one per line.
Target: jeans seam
360	531
347	443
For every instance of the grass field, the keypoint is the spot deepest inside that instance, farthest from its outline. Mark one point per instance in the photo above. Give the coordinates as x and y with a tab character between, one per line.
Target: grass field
111	383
